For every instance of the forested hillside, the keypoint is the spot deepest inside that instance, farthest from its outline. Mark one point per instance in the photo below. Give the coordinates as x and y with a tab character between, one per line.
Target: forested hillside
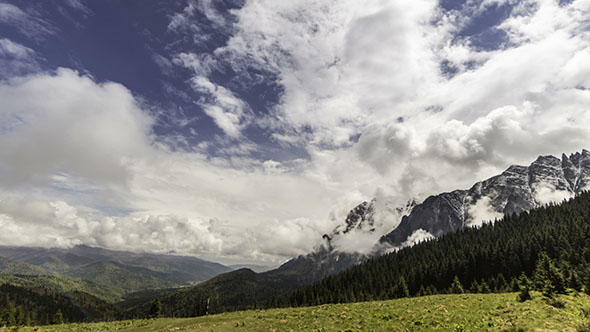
549	242
40	306
61	283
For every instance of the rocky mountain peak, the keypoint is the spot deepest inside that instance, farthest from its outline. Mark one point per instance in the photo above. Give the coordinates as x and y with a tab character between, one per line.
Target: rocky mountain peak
361	217
517	189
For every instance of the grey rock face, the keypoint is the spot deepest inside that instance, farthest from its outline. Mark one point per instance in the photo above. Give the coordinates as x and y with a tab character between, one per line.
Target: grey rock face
361	217
518	189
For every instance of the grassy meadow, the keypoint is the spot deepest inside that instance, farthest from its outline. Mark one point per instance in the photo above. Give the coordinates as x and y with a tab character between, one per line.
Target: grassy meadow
465	312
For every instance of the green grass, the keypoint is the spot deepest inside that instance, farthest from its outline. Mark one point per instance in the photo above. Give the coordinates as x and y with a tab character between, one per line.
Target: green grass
469	312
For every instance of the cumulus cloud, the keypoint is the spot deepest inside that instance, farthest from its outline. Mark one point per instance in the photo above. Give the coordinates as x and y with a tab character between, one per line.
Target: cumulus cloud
67	122
342	65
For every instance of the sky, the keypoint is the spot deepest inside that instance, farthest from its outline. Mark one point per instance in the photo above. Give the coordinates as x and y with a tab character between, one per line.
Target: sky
242	130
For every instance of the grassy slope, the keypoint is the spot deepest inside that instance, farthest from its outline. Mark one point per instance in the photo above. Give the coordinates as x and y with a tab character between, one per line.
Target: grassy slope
469	312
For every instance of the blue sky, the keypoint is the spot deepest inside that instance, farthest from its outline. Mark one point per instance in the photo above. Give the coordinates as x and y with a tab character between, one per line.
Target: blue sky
180	126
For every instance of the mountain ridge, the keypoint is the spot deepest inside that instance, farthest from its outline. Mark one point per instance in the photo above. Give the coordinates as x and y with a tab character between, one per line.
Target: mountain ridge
517	189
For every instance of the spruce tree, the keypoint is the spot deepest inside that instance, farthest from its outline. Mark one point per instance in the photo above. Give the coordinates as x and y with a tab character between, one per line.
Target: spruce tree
474	288
525	288
421	291
501	284
155	308
483	287
456	286
574	281
401	288
58	317
548	278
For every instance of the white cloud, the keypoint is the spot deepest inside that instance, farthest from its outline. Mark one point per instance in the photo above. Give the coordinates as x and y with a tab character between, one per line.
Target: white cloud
230	114
342	65
546	193
16	59
416	237
79	5
481	211
67	122
189	20
16	50
29	24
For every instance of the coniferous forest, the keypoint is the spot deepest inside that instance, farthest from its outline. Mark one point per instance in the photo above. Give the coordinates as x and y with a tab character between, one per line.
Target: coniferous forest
40	306
550	246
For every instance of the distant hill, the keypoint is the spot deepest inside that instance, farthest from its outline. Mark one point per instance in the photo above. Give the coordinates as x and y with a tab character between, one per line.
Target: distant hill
253	267
121	271
8	266
128	278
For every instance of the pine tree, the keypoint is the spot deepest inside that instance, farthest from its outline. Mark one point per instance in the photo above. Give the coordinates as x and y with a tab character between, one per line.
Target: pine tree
575	282
525	288
456	286
548	278
155	308
401	288
58	318
9	315
483	287
474	288
421	291
514	286
501	284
